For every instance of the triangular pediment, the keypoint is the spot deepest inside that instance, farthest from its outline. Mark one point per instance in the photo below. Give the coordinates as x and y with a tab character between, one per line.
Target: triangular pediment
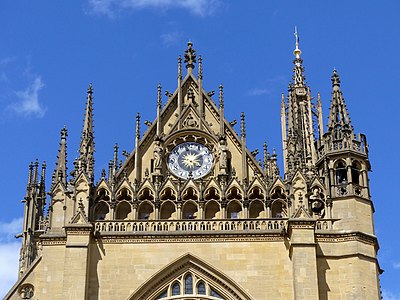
301	213
199	271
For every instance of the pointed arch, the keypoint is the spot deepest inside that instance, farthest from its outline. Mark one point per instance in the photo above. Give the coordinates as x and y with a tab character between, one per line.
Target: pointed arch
234	210
123	210
168	210
220	284
212	210
190	210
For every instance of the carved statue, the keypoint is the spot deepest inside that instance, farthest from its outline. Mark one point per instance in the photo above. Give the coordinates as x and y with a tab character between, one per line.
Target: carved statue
158	153
223	155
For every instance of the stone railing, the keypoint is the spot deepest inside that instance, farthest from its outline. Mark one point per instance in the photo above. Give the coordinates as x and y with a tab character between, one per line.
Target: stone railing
139	226
340	145
142	226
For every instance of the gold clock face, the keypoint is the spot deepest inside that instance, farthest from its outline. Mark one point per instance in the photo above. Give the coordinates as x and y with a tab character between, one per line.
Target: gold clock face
190	159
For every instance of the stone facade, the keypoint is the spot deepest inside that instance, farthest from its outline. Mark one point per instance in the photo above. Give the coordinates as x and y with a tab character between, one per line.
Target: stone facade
192	214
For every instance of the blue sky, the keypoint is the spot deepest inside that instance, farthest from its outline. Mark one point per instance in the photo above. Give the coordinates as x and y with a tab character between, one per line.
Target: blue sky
51	50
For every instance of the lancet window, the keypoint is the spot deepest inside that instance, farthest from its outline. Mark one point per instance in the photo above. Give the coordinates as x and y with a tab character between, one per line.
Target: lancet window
192	286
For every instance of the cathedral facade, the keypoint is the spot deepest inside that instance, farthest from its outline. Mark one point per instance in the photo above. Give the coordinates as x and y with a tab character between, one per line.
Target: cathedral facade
191	213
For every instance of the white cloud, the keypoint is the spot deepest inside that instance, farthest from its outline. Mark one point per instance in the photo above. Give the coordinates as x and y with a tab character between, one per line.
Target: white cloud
171	38
9	254
111	7
387	295
258	92
28	103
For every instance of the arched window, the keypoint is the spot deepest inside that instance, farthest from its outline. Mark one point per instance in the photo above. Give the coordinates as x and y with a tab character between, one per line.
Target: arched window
145	211
201	288
355	173
188	284
234	209
123	210
176	289
189	210
256	209
101	210
167	210
211	210
341	173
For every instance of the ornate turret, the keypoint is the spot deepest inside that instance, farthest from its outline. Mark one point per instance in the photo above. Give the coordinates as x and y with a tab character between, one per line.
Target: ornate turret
297	123
346	155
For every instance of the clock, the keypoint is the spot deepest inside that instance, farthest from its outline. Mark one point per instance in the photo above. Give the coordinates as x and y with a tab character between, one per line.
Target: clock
190	159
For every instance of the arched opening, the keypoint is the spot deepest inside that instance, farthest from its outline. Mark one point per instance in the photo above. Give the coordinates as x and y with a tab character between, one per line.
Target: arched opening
234	210
341	173
176	289
356	173
201	288
146	211
188	284
189	211
168	211
212	210
256	209
123	210
278	209
101	211
189	278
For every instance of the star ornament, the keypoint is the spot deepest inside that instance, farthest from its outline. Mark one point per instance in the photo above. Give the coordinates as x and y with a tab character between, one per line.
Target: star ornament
190	160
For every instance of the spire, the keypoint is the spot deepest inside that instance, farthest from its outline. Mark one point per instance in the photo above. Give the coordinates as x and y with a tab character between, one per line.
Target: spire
30	178
115	162
60	172
338	115
200	75
221	111
298	70
297	122
159	106
190	57
242	126
179	67
85	162
201	102
244	154
137	156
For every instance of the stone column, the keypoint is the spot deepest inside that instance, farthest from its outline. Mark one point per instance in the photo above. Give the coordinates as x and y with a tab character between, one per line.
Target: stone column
76	265
302	252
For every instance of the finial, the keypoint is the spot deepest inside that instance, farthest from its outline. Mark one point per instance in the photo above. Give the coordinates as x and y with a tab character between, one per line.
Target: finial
159	103
179	67
296	51
200	67
103	173
221	96
138	125
190	56
335	80
265	153
242	125
90	89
